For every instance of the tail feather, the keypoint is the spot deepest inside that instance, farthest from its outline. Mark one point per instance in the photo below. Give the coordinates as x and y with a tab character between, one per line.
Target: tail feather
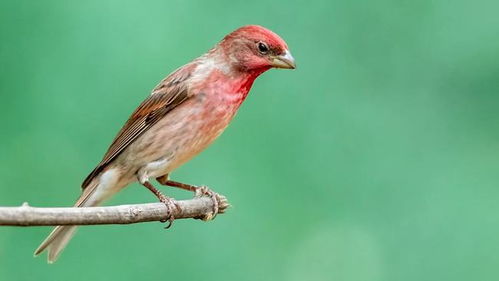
57	240
62	234
60	242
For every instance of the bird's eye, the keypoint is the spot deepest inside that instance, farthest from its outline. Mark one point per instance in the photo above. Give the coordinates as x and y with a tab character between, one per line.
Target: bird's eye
263	48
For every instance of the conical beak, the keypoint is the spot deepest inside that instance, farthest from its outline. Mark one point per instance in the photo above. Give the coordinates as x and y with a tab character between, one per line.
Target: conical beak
285	60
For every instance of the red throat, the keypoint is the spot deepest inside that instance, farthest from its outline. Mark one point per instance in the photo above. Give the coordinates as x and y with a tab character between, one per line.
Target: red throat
244	83
236	87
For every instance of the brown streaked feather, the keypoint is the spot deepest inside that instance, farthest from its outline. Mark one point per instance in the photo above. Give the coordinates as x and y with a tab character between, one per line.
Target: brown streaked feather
170	93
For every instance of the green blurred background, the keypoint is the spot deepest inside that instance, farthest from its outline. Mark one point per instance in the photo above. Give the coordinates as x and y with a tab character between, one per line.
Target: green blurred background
377	159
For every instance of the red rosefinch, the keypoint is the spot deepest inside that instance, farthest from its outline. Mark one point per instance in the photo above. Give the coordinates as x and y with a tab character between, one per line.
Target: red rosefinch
185	113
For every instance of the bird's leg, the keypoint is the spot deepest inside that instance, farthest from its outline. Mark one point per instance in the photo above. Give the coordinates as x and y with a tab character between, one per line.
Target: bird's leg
198	190
170	204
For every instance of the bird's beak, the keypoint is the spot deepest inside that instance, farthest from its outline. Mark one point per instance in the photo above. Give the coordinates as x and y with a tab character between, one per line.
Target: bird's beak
285	60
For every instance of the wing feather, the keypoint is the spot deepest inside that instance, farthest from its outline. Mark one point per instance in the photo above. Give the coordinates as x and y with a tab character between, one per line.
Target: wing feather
169	94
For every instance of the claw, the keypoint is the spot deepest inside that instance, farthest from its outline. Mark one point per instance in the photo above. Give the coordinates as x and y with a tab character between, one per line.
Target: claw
170	203
205	191
219	202
170	222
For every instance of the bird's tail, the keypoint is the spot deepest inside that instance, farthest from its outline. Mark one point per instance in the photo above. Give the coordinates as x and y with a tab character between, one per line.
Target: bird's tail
97	191
56	241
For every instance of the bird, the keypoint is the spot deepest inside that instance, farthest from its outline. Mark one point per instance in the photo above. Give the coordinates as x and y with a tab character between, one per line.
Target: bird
183	115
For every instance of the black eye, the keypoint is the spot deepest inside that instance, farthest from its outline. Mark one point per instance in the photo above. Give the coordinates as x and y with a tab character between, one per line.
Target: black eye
263	48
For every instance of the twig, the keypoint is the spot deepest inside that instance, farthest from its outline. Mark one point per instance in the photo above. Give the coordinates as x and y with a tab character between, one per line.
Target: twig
25	215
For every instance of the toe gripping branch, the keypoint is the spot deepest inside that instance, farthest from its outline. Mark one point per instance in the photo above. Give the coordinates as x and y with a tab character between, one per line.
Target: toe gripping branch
219	202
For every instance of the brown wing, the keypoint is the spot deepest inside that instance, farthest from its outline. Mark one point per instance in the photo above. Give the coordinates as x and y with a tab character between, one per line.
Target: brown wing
169	94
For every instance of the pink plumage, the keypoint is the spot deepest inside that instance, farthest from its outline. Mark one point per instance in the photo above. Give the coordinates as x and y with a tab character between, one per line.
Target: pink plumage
184	114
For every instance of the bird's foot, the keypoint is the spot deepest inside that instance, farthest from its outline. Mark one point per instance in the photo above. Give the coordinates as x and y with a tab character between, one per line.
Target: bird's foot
169	202
170	205
215	197
220	203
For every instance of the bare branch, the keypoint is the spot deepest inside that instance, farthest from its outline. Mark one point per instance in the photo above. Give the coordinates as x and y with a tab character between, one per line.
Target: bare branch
199	208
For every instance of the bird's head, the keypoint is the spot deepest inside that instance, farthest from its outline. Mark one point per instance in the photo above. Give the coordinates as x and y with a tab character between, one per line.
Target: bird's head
256	49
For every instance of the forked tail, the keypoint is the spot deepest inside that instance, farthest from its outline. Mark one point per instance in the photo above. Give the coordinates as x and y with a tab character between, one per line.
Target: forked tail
56	241
96	192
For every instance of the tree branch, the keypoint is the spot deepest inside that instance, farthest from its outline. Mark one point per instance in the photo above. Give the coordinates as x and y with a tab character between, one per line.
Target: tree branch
198	208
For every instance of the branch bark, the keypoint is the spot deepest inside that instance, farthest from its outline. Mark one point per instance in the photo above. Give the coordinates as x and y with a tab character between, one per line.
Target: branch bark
25	215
